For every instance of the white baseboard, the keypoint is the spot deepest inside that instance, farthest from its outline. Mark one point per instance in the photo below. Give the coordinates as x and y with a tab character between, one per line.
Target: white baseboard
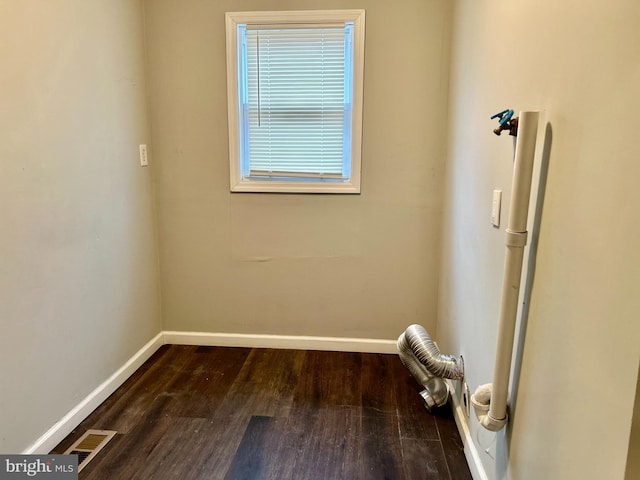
76	415
470	451
296	342
71	420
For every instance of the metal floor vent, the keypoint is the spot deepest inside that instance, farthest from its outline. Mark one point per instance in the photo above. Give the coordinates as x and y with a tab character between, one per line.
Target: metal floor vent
89	444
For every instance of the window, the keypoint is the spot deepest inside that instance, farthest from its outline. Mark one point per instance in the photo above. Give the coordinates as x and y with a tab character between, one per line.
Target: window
294	85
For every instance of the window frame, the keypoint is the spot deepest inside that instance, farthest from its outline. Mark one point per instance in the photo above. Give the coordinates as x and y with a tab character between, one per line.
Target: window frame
238	183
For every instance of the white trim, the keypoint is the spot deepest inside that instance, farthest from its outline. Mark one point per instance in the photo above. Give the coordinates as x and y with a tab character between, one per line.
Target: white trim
297	342
267	186
232	20
297	16
231	25
82	410
77	414
470	451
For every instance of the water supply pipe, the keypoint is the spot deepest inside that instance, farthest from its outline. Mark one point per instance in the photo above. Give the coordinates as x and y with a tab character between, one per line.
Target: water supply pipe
490	400
428	365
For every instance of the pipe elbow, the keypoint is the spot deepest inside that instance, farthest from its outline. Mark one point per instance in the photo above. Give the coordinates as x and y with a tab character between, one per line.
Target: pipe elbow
481	402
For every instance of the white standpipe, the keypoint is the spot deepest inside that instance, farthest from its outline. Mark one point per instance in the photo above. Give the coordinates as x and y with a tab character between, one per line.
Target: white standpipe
490	400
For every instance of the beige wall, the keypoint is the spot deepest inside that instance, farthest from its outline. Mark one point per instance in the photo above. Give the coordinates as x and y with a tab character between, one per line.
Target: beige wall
78	268
334	265
577	61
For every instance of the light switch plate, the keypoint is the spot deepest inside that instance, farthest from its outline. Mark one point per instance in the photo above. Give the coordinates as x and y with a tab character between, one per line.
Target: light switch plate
495	208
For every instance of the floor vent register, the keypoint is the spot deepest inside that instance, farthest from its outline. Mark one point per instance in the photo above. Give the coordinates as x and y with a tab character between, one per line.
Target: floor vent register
88	445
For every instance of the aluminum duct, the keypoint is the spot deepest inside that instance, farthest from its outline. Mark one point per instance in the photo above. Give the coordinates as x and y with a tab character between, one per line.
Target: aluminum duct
428	365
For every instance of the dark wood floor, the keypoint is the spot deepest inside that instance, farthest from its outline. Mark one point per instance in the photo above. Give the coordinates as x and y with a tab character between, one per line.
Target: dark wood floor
240	413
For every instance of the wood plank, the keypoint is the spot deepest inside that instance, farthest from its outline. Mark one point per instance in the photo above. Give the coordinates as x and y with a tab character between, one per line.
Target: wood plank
413	419
265	452
127	453
138	399
194	448
381	448
264	386
424	459
452	445
329	378
377	385
328	443
201	386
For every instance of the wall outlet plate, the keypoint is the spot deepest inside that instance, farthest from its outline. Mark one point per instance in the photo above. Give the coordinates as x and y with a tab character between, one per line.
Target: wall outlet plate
144	160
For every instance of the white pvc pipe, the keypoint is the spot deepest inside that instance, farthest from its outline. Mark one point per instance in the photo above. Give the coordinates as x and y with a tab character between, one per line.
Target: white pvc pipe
490	401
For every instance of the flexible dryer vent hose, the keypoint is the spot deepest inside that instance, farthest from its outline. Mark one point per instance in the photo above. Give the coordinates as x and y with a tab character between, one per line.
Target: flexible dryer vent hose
428	365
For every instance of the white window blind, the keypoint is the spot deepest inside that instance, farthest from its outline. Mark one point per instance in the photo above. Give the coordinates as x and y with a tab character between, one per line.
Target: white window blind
296	99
